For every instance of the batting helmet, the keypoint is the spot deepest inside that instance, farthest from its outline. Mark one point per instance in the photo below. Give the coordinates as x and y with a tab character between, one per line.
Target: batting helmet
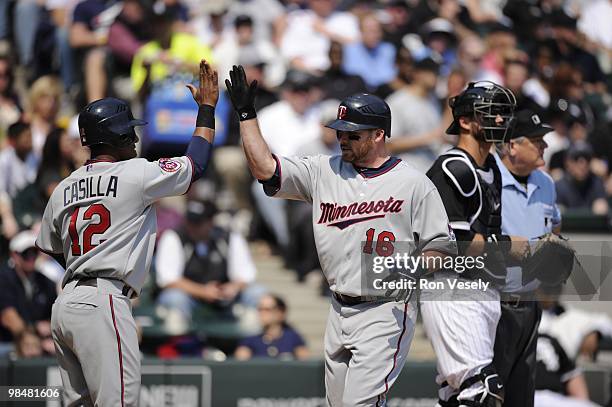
485	100
108	121
361	112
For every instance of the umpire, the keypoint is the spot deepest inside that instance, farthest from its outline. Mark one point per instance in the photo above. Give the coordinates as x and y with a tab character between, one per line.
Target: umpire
528	210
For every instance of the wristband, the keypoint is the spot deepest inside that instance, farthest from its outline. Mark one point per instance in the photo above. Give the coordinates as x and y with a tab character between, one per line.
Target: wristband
206	117
247	113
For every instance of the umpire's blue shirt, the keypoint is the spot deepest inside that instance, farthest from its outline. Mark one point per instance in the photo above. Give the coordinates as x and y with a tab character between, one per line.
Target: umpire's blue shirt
528	212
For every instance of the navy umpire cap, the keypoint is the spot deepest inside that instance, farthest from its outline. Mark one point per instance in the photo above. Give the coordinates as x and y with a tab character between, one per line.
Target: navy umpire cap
528	124
108	121
362	112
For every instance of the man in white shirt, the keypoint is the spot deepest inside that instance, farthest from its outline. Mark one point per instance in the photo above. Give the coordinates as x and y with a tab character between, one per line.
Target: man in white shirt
204	264
18	164
288	125
305	42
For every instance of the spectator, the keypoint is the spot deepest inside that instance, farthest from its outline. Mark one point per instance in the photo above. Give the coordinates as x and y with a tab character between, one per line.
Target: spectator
501	41
28	345
27	14
469	57
169	53
211	23
278	339
203	263
336	82
537	86
301	254
440	44
229	160
371	58
58	161
44	104
593	22
559	383
266	16
417	132
10	110
127	34
568	44
26	295
580	188
286	125
516	73
89	37
404	67
18	163
242	41
61	12
305	42
569	122
399	22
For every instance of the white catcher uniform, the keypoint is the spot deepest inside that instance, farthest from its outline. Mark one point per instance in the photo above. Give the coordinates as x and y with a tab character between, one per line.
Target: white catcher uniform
101	220
366	341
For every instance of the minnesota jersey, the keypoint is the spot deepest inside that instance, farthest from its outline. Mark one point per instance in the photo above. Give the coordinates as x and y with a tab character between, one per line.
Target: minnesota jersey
353	208
101	220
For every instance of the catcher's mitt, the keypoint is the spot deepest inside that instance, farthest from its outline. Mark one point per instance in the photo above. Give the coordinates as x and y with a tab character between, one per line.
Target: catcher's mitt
551	262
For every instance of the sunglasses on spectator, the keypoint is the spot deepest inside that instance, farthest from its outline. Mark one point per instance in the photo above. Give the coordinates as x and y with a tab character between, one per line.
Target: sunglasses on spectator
266	308
29	254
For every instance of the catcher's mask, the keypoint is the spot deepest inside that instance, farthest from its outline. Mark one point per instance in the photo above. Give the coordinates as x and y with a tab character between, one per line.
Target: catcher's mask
485	101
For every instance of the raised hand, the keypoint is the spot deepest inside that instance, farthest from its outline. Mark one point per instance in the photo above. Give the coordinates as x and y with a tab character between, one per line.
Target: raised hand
208	92
241	93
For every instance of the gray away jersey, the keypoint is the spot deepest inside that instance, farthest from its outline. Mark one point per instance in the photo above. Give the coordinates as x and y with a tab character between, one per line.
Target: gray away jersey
101	220
350	209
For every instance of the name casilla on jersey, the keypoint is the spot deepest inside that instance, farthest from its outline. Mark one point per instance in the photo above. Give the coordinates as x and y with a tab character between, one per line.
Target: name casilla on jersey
91	187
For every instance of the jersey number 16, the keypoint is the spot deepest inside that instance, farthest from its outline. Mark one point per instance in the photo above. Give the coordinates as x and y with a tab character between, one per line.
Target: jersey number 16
104	222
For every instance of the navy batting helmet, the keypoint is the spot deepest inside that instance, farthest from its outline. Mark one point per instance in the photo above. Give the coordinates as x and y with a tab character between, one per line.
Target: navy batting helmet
486	101
361	112
108	121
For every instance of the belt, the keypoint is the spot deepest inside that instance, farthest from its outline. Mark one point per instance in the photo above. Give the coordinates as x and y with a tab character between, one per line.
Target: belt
517	300
350	300
93	282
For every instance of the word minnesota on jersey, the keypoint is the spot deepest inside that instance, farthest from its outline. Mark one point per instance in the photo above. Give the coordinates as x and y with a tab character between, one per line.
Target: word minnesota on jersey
90	187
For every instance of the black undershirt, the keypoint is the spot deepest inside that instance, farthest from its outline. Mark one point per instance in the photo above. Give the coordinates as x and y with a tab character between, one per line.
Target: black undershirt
521	179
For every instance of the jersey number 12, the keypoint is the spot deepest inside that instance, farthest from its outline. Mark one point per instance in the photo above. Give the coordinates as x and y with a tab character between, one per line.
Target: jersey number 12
104	222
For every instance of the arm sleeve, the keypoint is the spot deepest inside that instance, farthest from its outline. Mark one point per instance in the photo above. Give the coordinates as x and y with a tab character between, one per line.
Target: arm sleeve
430	223
49	239
240	263
166	177
170	259
294	178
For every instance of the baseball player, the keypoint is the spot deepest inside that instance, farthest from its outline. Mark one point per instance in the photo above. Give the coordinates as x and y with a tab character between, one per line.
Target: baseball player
100	224
462	332
362	195
528	194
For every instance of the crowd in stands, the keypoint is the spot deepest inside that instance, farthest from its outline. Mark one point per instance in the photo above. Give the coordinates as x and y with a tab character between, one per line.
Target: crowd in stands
58	55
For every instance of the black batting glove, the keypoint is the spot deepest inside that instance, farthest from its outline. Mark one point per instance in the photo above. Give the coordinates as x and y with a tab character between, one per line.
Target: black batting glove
241	93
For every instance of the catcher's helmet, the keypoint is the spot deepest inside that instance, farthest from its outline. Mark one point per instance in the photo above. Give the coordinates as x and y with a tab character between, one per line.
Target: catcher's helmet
361	112
485	100
108	121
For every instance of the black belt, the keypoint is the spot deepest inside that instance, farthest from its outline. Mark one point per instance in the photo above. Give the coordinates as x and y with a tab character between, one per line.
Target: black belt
93	282
350	300
517	300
